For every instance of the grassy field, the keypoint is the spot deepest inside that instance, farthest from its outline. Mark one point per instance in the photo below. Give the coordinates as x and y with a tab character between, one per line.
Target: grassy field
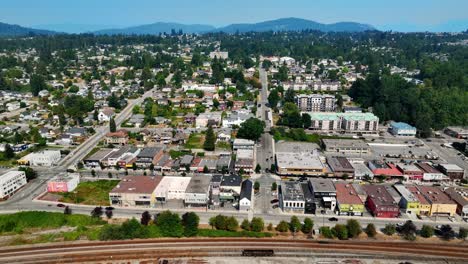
223	146
18	222
195	141
91	193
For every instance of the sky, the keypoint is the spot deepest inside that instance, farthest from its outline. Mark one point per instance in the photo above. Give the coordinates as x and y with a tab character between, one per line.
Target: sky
399	15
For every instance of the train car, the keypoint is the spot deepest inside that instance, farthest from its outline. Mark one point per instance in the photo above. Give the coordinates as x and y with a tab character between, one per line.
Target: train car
258	252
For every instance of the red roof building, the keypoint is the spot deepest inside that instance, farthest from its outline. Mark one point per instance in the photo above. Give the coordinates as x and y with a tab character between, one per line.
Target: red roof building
380	202
379	167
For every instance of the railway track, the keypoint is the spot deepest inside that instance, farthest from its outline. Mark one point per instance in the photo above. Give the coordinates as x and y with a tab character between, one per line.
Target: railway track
155	249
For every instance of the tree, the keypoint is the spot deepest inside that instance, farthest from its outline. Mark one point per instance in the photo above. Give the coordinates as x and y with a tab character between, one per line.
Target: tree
258	168
294	224
283	226
145	218
290	95
354	228
270	227
326	232
257	224
232	224
370	230
256	186
273	98
210	139
274	186
169	224
37	84
340	231
112	126
67	210
446	232
307	226
251	129
427	231
30	173
9	153
306	120
389	229
463	233
190	221
245	225
212	222
97	212
408	230
109	214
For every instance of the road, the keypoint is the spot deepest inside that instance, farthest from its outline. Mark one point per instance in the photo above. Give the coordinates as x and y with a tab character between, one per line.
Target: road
265	148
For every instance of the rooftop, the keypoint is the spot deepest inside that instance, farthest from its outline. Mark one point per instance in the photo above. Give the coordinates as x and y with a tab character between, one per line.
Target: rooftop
322	185
380	195
292	191
345	143
348	116
199	184
137	184
401	125
302	160
458	194
346	194
435	195
340	164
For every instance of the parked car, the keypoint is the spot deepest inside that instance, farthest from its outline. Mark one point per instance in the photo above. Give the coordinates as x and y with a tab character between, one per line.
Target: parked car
274	201
60	205
110	208
275	206
333	219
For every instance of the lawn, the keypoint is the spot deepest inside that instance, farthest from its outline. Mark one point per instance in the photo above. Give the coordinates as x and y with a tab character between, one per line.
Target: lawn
195	141
90	193
223	145
23	220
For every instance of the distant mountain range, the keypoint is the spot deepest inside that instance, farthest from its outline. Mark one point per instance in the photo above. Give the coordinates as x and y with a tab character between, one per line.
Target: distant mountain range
16	30
283	24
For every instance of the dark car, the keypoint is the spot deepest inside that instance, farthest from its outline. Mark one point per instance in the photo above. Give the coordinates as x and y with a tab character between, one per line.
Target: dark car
274	201
60	205
333	219
275	206
110	208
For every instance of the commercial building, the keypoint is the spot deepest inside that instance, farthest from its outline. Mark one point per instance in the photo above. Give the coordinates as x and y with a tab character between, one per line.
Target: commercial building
408	202
365	123
458	132
300	163
379	167
245	198
424	207
361	171
453	171
169	188
441	204
380	202
96	159
460	197
148	156
324	192
10	182
198	191
240	143
346	146
245	160
316	102
63	182
410	171
310	207
401	129
46	158
430	173
348	201
291	197
230	187
341	167
134	191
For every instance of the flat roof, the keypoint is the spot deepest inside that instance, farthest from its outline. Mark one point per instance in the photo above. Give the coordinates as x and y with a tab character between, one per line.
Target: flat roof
302	160
435	195
417	194
346	194
360	169
171	184
231	180
100	154
458	194
345	143
427	168
405	193
348	115
340	164
137	184
288	146
401	125
322	185
199	184
380	195
408	167
150	152
451	167
292	191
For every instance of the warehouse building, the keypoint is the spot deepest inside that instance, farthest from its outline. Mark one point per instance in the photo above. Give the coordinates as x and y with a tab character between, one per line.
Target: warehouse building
10	182
291	197
348	201
169	188
346	146
134	191
341	167
198	191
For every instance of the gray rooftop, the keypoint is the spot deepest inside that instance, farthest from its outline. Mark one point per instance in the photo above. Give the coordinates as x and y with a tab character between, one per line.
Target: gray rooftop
292	191
322	185
199	184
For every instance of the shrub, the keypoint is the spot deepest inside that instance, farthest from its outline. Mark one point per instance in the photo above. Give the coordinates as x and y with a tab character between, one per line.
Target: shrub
257	224
370	230
308	225
340	231
326	232
389	229
283	226
169	224
245	225
463	233
427	231
190	222
295	225
354	228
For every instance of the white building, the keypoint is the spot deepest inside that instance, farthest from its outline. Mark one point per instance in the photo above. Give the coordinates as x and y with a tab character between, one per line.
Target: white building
44	158
316	102
10	182
198	191
402	129
170	188
219	54
213	118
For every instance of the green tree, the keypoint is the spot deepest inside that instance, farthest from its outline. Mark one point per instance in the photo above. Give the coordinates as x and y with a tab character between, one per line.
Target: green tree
283	226
307	226
354	228
97	212
169	224
389	229
306	120
9	153
290	95
463	233
232	224
67	210
256	186
112	126
258	168
370	230
257	224
30	173
274	186
340	231
190	221
210	139
446	232
408	230
245	225
294	224
326	232
427	231
273	98
251	129
145	218
37	84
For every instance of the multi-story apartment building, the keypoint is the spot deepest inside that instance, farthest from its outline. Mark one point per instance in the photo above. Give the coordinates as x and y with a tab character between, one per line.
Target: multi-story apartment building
366	123
316	102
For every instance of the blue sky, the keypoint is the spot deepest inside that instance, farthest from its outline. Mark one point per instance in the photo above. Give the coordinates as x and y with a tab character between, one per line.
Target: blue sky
402	15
